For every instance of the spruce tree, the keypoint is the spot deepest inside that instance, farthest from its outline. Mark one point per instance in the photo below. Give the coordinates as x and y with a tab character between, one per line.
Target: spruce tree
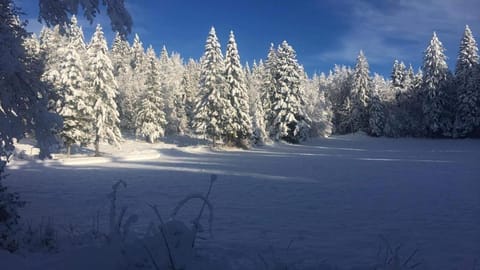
318	107
338	86
360	94
238	130
189	89
376	119
171	71
289	121
468	91
259	135
121	57
150	118
23	96
102	90
435	88
77	114
74	35
51	41
268	86
398	77
210	110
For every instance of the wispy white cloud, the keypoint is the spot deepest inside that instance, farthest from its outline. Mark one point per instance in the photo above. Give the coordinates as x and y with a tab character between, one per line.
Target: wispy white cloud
400	29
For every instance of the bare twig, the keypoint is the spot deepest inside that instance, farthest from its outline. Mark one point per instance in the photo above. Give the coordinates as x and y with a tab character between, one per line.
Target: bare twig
150	255
164	236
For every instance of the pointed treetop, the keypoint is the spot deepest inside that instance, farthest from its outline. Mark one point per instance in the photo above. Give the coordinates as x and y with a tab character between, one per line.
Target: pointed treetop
164	51
212	31
74	20
136	39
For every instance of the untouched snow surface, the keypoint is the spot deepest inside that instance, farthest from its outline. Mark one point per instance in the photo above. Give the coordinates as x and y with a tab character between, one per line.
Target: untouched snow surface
332	197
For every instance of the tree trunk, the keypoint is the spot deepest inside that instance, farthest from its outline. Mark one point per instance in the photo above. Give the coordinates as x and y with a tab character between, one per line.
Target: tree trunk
69	147
97	146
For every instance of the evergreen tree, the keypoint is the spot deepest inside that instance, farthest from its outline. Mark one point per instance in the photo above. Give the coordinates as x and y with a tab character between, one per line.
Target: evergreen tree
75	36
171	71
238	129
435	88
51	41
398	77
133	80
376	119
259	135
121	57
23	106
182	124
210	111
150	118
360	94
189	86
289	121
318	108
468	90
337	91
102	90
269	84
77	114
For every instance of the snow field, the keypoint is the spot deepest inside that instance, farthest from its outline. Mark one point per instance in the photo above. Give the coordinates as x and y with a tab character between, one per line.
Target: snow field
332	197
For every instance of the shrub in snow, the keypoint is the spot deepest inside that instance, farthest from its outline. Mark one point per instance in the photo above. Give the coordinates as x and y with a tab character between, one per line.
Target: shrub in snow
174	239
119	226
391	259
42	237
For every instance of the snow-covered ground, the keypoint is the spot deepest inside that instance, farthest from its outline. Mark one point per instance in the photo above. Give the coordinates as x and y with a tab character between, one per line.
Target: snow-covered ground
333	198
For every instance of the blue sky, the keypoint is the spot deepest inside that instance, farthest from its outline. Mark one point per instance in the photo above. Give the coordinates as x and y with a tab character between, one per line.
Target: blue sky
323	32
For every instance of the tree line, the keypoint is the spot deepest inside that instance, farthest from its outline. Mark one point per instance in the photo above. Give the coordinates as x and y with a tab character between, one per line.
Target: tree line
90	93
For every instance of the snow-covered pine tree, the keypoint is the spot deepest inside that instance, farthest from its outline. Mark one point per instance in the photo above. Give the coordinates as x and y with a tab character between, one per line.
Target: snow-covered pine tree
337	91
289	122
436	92
468	90
318	107
121	57
398	77
102	90
409	79
138	59
74	35
210	110
189	89
376	119
177	68
133	82
51	41
76	111
150	117
259	135
238	129
72	93
268	87
360	94
171	71
23	106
